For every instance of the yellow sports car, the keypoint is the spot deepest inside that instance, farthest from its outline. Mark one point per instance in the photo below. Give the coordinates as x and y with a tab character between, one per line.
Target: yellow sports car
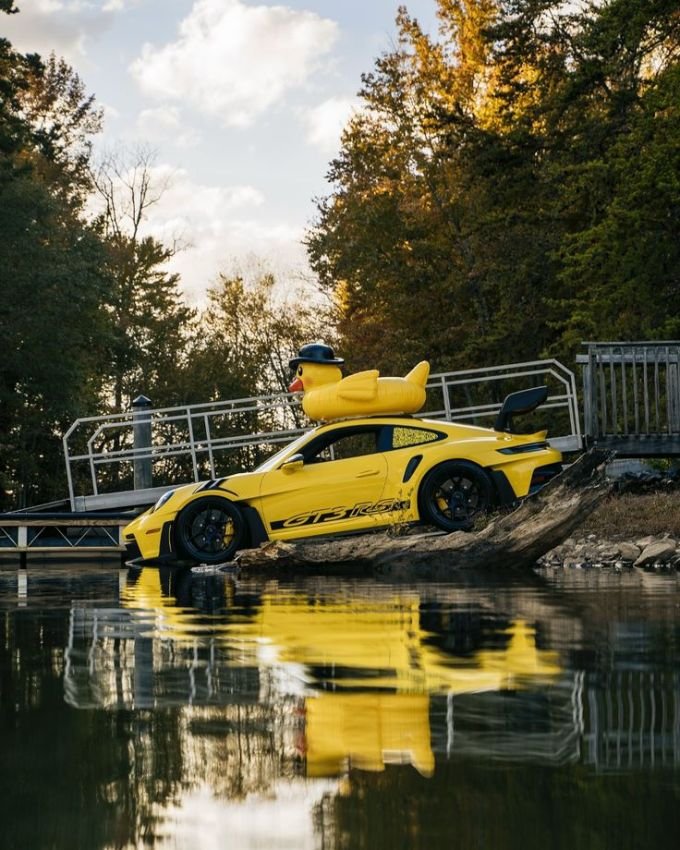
353	476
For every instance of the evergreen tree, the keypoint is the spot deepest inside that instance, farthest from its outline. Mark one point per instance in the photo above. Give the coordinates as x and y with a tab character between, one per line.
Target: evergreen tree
149	322
51	279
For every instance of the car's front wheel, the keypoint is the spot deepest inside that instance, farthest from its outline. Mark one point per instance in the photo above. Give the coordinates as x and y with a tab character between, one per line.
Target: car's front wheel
210	530
454	494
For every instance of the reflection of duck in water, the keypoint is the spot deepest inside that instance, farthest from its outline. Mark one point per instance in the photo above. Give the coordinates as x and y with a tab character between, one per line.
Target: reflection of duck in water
367	731
327	395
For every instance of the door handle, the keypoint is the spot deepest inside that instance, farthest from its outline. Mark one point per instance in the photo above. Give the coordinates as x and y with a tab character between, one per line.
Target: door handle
367	473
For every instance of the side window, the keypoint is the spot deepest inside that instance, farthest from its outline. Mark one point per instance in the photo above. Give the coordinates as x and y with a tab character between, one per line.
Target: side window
355	445
344	444
403	437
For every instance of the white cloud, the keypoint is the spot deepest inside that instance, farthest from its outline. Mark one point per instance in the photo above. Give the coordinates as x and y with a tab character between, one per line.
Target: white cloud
326	122
118	5
63	26
236	60
217	224
164	124
222	245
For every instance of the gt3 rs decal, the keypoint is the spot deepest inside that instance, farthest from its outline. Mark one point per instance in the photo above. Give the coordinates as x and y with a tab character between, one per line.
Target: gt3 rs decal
384	506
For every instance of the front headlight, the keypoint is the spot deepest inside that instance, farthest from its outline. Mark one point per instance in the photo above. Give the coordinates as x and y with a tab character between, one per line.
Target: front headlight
163	499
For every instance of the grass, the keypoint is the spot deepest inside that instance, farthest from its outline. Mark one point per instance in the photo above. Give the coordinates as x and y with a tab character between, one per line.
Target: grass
629	516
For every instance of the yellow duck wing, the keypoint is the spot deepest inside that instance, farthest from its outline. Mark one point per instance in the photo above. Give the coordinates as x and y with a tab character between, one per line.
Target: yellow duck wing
419	374
362	386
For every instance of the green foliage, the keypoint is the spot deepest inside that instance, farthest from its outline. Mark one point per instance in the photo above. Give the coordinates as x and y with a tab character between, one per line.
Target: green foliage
509	188
51	277
90	315
149	323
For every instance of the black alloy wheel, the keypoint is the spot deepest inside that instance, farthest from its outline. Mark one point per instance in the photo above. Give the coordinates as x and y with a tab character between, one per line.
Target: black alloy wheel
454	494
209	530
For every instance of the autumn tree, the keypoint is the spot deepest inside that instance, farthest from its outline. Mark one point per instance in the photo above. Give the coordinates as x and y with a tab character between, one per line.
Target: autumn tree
250	329
509	185
404	239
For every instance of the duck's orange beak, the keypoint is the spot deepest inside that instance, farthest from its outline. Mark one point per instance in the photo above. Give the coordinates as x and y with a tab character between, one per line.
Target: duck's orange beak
296	386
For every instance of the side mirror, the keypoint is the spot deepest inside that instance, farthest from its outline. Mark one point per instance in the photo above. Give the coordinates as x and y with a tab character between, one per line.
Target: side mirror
293	463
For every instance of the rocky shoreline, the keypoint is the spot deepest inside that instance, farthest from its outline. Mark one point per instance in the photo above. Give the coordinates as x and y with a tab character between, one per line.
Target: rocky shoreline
592	551
643	498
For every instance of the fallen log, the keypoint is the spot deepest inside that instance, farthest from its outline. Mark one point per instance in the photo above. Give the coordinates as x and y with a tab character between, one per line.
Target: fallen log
517	539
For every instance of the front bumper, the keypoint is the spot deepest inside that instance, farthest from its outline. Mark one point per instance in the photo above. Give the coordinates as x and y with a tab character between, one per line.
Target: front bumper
147	541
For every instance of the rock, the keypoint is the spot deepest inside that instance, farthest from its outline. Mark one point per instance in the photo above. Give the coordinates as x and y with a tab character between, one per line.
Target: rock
629	552
643	542
272	550
660	551
609	551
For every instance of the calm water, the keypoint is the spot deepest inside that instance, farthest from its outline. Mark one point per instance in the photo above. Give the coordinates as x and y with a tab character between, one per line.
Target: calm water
168	709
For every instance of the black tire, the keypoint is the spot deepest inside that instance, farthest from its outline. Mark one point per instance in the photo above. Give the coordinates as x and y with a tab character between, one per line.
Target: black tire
454	494
209	530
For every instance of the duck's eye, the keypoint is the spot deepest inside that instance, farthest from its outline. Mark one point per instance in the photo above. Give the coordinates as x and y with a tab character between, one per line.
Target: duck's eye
299	371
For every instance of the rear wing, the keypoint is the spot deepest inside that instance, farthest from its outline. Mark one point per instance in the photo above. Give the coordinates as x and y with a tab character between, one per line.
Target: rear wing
516	404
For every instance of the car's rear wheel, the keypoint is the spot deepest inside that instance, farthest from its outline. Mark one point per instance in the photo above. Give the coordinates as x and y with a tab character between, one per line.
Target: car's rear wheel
210	530
454	494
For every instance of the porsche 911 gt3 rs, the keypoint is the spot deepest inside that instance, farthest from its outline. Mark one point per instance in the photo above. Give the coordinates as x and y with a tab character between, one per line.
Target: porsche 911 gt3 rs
352	476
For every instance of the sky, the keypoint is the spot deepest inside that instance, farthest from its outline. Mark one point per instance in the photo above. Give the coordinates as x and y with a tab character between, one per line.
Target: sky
241	101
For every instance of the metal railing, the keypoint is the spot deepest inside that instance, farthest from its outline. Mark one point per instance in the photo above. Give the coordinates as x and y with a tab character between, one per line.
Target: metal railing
631	395
195	442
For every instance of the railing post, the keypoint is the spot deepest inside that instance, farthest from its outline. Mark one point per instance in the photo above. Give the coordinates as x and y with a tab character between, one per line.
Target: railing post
141	442
590	413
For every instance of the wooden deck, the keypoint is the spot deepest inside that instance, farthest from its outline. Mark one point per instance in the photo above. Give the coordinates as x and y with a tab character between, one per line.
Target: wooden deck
59	534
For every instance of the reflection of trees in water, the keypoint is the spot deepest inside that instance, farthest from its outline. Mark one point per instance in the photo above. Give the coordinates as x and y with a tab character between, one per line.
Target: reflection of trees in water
468	804
240	749
201	710
103	779
60	766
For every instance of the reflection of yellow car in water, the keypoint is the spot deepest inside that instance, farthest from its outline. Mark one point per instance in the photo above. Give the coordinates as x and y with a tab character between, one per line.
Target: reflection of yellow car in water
366	666
352	476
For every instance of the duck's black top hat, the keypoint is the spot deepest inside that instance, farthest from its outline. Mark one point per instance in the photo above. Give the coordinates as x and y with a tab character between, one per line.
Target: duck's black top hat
316	352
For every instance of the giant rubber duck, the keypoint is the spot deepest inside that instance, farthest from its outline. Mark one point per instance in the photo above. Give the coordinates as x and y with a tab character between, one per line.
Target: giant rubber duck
327	395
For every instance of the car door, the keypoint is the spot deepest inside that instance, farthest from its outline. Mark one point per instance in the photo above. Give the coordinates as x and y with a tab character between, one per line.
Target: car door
336	487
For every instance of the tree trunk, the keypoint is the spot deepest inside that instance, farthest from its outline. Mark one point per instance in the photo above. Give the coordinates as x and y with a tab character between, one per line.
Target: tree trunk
516	540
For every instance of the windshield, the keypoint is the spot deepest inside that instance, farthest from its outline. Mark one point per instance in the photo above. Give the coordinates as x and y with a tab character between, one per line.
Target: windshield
291	448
